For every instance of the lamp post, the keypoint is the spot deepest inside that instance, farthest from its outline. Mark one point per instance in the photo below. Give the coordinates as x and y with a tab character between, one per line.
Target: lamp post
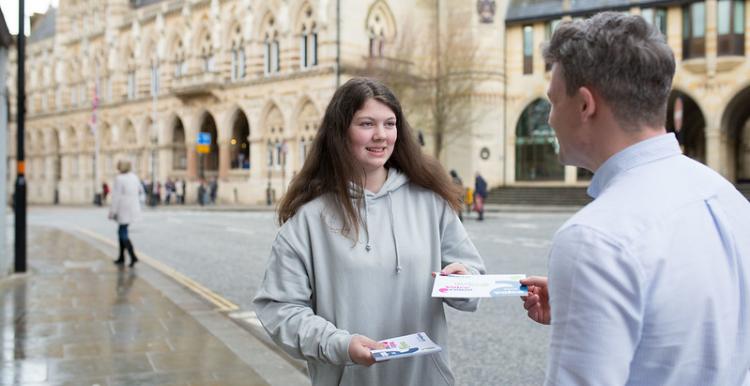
95	131
269	197
20	192
154	137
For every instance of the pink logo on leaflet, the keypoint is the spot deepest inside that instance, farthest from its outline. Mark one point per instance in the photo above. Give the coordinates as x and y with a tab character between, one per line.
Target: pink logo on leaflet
454	288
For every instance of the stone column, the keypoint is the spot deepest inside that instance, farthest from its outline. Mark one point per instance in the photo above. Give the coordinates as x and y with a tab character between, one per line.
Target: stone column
224	159
711	39
713	147
192	161
571	174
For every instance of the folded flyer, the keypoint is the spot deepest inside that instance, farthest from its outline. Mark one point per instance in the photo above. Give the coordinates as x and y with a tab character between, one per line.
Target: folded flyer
406	346
478	286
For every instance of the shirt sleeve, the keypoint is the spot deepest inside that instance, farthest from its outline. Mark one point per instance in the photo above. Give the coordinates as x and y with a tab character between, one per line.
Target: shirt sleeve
596	298
456	247
283	306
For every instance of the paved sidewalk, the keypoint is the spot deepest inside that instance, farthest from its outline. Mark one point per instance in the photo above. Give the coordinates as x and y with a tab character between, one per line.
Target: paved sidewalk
76	319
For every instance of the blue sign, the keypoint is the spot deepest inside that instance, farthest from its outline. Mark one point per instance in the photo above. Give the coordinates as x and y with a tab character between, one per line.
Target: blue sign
204	138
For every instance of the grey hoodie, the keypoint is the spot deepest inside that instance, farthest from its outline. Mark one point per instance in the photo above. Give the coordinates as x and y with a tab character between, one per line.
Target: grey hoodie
321	287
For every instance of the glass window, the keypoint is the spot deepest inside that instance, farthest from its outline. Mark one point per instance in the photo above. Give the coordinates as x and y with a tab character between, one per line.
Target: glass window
131	85
536	145
698	19
739	19
242	63
314	48
154	80
303	50
693	30
267	57
548	31
656	17
730	25
648	14
528	49
276	56
724	16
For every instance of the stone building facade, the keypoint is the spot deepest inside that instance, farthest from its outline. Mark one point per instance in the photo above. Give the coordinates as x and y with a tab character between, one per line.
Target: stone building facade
256	75
709	107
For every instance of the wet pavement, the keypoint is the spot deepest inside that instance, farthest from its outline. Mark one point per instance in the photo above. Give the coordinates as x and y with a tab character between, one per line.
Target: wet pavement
77	319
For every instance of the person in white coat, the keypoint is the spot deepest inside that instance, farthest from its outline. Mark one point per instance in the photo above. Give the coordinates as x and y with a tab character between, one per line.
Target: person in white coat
365	223
125	208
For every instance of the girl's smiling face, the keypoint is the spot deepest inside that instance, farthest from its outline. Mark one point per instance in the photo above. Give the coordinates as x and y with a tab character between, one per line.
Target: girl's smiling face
372	135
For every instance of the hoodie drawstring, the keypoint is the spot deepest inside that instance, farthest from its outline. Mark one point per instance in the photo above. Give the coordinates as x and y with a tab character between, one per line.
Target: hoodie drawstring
368	247
393	232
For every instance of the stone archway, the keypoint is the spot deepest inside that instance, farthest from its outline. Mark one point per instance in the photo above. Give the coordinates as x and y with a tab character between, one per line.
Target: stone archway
735	124
209	162
239	144
179	147
689	125
536	145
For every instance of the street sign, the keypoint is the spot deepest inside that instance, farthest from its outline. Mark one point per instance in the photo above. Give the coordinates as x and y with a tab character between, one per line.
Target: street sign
203	145
204	138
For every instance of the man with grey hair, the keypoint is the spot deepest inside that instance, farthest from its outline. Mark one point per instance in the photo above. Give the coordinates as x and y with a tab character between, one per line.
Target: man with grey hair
649	284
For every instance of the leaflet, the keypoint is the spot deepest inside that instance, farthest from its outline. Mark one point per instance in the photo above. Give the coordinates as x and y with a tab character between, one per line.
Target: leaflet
478	286
406	346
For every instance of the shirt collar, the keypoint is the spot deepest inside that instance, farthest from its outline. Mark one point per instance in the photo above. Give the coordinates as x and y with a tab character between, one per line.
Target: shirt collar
643	152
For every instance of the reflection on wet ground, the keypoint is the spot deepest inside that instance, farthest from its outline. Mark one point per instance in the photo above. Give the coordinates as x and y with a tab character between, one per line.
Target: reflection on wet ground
77	319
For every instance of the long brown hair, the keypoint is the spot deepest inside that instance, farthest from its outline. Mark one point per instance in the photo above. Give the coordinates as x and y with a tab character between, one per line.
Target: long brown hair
329	167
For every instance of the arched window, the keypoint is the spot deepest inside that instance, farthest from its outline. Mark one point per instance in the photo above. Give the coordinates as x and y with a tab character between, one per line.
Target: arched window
381	28
274	124
211	160
308	40
686	120
132	85
207	53
238	55
308	122
536	145
239	148
271	52
179	60
179	150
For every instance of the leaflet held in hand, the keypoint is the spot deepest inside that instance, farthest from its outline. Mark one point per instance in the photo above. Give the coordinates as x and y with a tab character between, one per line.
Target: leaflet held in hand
406	346
478	286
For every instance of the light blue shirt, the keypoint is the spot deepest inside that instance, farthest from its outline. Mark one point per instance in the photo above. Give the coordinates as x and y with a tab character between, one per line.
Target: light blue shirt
650	283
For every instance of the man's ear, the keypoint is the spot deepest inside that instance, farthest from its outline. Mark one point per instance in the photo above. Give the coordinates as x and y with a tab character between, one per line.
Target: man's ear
587	103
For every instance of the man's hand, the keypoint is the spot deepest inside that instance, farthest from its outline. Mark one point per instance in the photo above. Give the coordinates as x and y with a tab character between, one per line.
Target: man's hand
536	302
359	350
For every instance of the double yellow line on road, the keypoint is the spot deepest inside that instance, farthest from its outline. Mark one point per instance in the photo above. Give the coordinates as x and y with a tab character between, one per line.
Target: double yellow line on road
222	305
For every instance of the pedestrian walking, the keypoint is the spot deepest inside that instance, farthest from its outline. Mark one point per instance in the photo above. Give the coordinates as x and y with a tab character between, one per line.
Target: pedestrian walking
170	189
105	191
480	194
125	208
349	266
202	193
469	200
649	283
181	192
157	193
213	189
459	184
